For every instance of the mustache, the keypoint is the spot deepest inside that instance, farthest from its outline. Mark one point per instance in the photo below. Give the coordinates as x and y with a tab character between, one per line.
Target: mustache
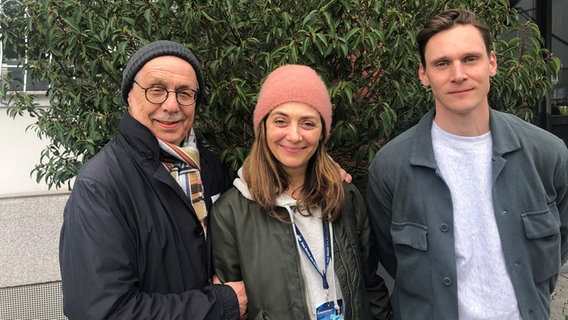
170	118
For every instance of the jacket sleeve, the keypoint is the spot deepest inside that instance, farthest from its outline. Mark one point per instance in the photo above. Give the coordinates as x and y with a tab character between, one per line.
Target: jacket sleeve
99	269
379	207
377	291
225	253
561	187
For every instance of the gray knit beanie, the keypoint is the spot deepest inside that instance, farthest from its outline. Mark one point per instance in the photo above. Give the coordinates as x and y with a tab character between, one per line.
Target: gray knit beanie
157	49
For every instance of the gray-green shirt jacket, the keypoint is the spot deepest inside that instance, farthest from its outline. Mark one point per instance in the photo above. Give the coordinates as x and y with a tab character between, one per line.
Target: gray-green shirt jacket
249	245
410	209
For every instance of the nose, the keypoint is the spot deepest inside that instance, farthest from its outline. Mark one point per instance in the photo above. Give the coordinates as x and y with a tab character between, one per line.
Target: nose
458	73
171	104
294	134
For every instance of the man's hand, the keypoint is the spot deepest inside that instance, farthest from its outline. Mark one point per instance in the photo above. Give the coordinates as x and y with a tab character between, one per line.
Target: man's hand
239	288
344	175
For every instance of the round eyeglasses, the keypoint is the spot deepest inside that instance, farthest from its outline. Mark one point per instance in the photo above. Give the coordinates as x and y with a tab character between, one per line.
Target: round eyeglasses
158	95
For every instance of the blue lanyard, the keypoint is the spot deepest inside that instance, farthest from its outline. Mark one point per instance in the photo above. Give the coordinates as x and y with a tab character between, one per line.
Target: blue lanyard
304	246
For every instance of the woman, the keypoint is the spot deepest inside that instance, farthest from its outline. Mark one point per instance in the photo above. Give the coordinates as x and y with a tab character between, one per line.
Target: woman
298	237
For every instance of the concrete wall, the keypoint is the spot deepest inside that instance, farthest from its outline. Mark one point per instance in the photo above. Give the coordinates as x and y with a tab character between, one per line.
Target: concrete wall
30	279
30	213
30	238
30	220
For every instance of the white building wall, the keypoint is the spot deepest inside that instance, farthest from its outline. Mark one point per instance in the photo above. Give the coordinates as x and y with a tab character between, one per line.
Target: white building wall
21	151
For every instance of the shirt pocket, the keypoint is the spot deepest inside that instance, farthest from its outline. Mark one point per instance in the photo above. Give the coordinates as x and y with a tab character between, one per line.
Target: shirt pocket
410	241
542	231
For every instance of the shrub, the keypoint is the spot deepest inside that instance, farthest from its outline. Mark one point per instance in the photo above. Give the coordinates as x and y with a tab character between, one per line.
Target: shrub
364	50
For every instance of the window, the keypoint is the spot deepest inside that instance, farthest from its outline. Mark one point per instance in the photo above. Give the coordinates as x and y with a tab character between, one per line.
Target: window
559	47
550	15
9	58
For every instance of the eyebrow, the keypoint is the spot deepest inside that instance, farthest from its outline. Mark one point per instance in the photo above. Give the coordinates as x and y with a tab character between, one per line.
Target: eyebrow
160	83
435	61
287	115
446	58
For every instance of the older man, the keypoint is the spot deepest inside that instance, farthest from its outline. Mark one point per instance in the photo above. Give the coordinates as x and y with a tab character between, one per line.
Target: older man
134	243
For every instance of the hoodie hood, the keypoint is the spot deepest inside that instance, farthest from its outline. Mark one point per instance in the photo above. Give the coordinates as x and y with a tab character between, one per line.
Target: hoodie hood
283	200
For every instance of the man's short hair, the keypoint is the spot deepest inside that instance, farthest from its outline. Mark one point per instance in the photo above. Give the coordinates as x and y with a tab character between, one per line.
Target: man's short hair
447	20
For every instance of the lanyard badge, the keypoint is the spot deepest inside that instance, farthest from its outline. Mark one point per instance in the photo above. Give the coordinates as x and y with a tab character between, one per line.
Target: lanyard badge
327	311
330	310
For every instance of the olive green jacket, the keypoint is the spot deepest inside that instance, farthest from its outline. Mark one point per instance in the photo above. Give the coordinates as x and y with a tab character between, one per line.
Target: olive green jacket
249	245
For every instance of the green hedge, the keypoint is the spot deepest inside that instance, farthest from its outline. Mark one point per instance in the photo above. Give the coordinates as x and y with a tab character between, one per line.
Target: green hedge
364	50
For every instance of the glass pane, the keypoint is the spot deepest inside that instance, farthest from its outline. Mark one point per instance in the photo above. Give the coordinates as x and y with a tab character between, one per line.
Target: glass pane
560	49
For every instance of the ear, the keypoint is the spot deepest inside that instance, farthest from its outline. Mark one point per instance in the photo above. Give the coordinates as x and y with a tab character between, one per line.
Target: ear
423	77
131	98
492	64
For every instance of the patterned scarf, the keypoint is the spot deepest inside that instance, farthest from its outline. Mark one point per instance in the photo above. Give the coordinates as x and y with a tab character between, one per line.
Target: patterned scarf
183	164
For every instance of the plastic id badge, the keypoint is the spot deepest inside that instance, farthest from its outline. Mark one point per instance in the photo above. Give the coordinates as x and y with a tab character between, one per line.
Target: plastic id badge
326	311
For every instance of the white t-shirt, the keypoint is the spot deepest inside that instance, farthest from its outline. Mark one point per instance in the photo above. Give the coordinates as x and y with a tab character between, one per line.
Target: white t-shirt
485	290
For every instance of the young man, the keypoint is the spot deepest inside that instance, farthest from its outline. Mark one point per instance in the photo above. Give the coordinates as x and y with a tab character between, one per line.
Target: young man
134	242
469	207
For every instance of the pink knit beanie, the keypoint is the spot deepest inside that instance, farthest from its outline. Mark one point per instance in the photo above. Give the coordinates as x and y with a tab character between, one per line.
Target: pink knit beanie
293	83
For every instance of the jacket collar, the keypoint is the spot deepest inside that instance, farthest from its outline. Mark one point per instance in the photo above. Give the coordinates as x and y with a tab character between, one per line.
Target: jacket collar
139	137
503	134
505	138
422	151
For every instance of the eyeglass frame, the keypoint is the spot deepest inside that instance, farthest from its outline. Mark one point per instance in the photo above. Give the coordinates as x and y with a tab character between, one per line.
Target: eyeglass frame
195	96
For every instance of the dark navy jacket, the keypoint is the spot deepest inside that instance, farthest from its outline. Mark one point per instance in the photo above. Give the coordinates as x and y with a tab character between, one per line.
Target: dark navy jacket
131	246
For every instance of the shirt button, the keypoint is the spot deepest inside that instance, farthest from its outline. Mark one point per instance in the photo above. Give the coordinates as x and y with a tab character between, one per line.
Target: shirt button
505	211
447	281
444	227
